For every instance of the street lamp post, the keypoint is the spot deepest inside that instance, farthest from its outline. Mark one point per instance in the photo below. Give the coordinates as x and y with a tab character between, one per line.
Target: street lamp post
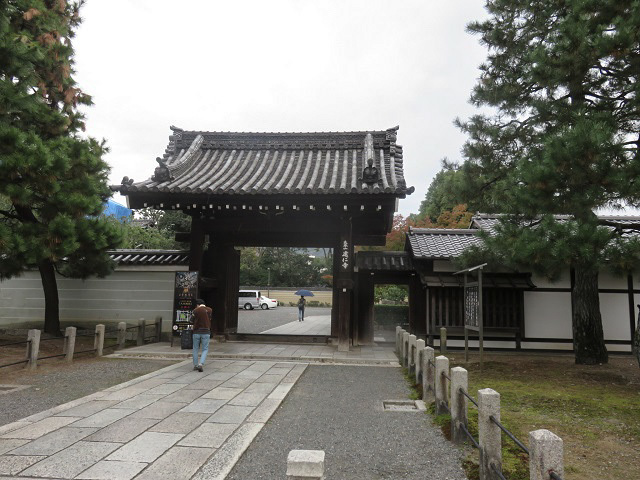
269	282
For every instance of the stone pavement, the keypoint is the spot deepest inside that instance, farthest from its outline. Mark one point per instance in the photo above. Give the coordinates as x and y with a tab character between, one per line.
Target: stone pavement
312	325
174	423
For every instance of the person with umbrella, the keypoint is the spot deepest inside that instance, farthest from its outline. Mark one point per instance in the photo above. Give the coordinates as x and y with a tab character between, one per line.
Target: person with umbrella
302	302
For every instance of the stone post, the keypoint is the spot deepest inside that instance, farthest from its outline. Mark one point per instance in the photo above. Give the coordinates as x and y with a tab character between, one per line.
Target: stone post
399	331
305	465
98	343
33	348
142	326
428	382
158	328
442	385
405	348
411	365
420	345
69	343
490	438
545	455
443	341
459	403
122	334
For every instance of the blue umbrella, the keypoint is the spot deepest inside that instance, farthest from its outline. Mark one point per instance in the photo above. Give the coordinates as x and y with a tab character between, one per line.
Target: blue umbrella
304	293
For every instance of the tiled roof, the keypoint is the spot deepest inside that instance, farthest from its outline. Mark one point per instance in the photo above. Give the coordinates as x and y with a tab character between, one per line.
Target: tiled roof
440	242
149	257
488	222
217	163
384	261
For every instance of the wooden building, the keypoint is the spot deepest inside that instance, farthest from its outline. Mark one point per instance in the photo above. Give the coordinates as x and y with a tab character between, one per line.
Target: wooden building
335	189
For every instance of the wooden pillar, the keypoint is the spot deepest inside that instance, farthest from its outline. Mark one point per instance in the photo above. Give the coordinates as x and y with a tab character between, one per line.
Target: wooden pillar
197	244
345	284
335	300
226	265
417	309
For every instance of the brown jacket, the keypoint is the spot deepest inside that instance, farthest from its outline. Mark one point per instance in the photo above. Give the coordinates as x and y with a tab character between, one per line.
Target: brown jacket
202	319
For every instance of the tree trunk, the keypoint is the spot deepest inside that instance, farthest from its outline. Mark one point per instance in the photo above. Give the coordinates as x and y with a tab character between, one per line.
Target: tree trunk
51	302
588	337
636	340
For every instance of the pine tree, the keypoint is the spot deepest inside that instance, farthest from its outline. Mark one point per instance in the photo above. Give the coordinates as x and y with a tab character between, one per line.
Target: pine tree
53	183
560	136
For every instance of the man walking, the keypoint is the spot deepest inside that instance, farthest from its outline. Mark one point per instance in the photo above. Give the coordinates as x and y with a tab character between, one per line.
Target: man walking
201	333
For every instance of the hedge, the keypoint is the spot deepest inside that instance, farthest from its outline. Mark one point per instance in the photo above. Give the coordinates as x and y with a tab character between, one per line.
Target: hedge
391	314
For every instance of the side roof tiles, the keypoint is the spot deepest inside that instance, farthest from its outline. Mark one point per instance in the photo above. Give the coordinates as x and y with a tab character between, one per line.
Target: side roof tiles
217	163
442	243
149	257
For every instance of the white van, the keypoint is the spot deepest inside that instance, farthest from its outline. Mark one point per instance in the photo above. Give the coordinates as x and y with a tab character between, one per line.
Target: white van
249	299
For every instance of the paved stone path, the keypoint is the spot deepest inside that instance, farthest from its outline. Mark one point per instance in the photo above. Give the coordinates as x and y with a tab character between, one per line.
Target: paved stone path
174	423
312	325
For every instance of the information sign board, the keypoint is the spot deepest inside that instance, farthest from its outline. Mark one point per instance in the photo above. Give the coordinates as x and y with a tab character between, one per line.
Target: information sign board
184	300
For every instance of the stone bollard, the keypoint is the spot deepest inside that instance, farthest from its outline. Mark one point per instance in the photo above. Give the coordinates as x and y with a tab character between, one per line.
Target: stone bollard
545	455
69	343
442	385
305	465
443	341
459	404
411	365
398	341
158	328
122	334
420	345
428	382
98	343
405	349
33	348
142	326
490	435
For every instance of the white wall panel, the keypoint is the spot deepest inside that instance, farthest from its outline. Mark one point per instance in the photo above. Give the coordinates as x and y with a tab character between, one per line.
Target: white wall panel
609	280
540	281
547	314
614	308
122	296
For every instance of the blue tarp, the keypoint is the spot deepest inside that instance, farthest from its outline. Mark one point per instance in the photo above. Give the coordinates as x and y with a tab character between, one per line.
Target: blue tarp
114	209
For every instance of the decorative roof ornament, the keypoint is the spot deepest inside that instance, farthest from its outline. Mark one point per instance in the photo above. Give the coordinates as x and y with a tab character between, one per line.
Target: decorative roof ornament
370	173
126	181
162	172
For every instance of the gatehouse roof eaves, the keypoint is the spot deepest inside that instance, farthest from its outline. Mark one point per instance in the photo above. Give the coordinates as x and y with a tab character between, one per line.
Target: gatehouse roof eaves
226	163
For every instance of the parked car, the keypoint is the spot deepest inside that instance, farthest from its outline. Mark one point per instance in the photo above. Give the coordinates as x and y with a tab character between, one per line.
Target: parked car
249	299
266	303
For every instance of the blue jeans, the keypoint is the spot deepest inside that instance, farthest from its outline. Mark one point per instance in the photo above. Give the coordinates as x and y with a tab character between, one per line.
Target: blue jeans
300	314
200	339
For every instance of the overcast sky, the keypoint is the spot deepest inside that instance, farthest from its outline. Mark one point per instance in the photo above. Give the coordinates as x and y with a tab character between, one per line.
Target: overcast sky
276	66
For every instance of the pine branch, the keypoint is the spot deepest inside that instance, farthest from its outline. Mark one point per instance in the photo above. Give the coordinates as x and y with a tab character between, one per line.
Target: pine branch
9	214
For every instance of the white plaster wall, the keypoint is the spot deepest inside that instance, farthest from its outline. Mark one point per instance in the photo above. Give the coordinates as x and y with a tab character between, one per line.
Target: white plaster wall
547	314
540	281
122	296
609	280
443	266
614	308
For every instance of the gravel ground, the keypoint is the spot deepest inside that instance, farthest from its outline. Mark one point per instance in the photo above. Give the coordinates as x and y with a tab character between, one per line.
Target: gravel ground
55	382
257	321
338	409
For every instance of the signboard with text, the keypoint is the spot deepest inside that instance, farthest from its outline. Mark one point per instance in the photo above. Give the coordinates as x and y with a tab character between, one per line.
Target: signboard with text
184	300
